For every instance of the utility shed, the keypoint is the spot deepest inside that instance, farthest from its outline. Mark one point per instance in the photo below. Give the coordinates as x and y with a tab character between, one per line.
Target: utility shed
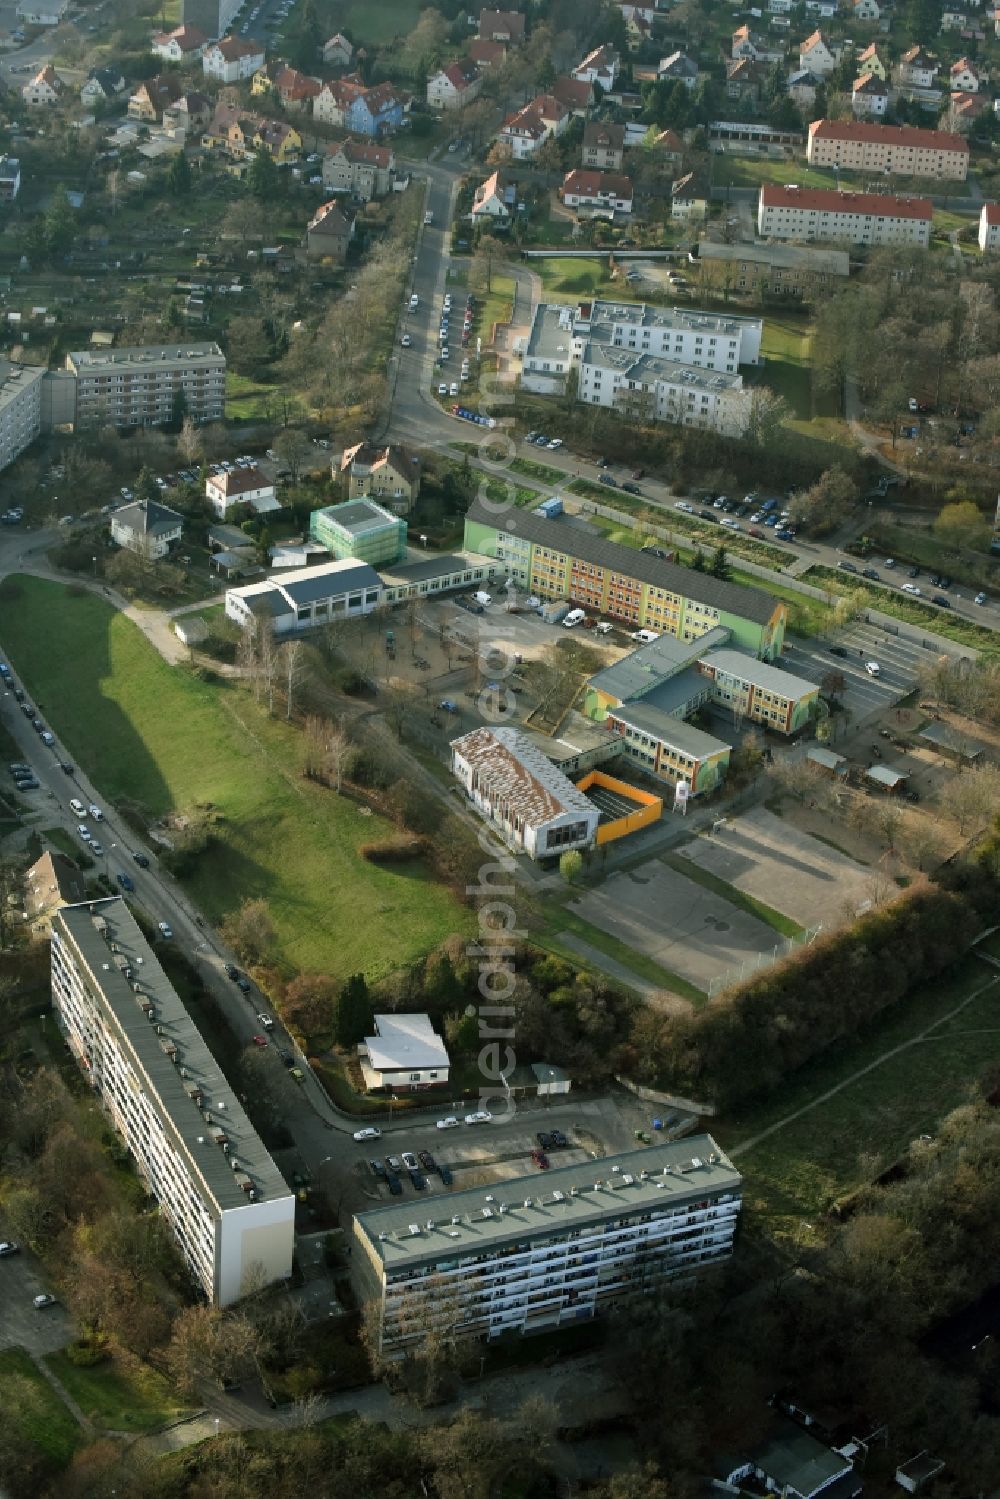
918	1472
949	740
827	760
886	777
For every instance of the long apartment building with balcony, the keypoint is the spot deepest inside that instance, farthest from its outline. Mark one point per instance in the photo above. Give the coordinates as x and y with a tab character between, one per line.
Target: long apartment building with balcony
540	1252
20	408
143	387
820	213
225	1200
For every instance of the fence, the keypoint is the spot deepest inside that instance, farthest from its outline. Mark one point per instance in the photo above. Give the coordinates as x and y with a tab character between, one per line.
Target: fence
738	973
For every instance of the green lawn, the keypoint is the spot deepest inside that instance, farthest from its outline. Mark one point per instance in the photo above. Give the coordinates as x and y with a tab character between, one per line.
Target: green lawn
368	23
540	471
159	736
743	171
570	277
785	347
796	1174
495	306
252	400
34	1410
118	1399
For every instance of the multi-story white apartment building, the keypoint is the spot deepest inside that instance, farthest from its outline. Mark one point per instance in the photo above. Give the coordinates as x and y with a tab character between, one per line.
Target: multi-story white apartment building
862	146
144	387
989	228
649	386
159	1085
811	213
709	341
539	1252
20	408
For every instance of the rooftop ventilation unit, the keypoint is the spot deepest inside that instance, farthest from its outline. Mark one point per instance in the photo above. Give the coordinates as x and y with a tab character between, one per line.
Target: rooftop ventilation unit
414	1228
487	1212
456	1218
558	1196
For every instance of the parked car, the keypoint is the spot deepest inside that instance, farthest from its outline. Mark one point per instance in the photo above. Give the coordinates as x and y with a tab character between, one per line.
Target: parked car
942	600
450	1123
445	1174
395	1185
141	860
418	1180
165	930
540	1159
243	984
97	848
873	669
872	573
544	1140
393	1163
7	1246
370	1132
410	1160
126	882
838	650
559	1140
481	1116
43	1300
378	1170
426	1160
96	813
980	598
846	567
232	972
259	1040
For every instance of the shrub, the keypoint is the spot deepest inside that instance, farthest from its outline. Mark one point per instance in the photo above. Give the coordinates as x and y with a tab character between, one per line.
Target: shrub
87	1352
399	850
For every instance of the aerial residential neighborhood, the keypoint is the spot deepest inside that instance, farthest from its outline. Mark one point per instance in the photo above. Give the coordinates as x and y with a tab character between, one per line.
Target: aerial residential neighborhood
500	819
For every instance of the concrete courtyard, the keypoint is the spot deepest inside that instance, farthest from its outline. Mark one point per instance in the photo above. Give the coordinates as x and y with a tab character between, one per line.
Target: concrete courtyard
767	857
680	925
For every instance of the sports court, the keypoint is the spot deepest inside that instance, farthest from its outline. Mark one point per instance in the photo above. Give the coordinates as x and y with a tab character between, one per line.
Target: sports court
680	925
792	872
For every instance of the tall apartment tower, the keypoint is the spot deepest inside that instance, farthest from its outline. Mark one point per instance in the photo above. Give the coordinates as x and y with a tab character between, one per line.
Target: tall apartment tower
159	1085
213	17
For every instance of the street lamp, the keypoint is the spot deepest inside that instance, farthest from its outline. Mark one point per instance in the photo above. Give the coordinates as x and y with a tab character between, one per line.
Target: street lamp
94	561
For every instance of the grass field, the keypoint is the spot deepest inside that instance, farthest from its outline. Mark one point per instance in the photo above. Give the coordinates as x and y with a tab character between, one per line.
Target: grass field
33	1409
575	276
891	601
785	347
380	23
118	1399
540	471
795	1175
251	400
161	737
743	171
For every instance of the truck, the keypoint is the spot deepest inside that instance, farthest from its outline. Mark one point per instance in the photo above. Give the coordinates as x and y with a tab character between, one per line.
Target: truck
556	611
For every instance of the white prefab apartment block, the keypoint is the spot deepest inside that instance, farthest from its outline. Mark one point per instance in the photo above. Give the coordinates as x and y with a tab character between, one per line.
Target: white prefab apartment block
143	387
539	1252
649	386
819	213
515	786
20	408
405	1052
159	1085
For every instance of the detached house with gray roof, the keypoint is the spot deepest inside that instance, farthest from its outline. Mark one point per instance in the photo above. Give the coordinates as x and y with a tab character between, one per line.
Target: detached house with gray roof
147	528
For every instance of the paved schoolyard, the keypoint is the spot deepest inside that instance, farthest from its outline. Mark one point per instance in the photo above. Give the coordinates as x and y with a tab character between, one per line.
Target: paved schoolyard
677	923
768	858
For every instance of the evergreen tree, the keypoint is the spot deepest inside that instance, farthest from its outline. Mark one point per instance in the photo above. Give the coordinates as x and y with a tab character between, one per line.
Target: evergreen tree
719	566
179	176
354	1011
263	177
697	563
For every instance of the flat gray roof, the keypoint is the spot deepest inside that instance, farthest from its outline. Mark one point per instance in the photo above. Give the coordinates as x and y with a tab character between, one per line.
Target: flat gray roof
659	724
760	673
92	361
589	546
565	1200
795	1460
15	379
419	568
784	257
182	1117
358	516
325	581
607	314
642	669
608	356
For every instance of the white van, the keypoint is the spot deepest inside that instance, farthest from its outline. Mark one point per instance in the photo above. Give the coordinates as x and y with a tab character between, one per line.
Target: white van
78	807
644	637
414	302
574	617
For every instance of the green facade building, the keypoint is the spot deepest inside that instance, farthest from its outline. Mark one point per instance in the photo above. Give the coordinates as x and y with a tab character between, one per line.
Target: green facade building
362	530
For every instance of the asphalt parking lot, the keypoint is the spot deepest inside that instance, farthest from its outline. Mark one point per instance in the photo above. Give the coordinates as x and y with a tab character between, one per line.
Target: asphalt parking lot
898	660
21	1325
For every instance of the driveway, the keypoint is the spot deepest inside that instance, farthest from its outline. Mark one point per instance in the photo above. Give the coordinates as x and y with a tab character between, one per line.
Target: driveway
21	1326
